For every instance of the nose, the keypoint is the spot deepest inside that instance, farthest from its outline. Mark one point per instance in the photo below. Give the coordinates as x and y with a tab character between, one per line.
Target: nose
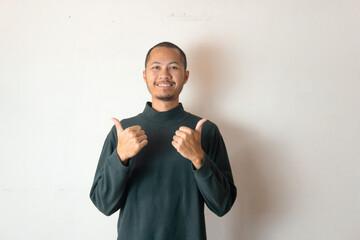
165	74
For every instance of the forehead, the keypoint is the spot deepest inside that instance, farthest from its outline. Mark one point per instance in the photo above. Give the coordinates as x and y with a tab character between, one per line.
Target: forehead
164	54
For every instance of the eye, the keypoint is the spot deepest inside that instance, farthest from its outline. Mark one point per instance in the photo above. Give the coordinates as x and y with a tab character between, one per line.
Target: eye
174	67
156	67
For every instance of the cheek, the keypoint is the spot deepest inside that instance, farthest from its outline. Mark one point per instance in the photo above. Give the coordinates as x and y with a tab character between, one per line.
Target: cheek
151	75
180	77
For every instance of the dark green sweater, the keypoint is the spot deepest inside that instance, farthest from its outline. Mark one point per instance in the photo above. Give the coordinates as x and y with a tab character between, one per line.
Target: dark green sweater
160	195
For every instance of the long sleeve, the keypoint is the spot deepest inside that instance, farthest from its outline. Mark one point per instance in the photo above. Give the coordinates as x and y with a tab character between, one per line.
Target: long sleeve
110	178
214	178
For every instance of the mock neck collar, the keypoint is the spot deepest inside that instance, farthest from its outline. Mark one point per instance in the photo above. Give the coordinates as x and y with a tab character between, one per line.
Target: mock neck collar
173	114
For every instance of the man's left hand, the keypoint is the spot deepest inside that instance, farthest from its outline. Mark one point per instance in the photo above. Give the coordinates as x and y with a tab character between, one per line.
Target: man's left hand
188	143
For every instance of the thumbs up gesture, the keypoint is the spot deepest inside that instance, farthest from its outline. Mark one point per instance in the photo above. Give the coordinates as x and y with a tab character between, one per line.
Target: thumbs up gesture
130	141
188	143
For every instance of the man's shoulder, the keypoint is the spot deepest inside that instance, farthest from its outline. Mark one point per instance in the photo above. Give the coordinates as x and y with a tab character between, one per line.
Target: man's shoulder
130	121
209	127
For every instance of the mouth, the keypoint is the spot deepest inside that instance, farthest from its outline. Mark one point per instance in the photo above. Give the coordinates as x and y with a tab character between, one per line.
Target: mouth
165	85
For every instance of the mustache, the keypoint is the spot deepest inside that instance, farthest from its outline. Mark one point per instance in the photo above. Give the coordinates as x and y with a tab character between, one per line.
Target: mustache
164	82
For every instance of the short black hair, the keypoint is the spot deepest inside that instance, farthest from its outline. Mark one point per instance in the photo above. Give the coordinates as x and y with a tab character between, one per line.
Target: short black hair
168	45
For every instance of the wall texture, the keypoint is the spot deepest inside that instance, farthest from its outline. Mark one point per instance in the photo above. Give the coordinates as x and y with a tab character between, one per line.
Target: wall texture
280	78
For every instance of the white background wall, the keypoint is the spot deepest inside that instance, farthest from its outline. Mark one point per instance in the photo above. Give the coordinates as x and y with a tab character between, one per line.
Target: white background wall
280	78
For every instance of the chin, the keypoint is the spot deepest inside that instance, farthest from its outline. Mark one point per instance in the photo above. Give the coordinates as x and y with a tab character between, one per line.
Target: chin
165	98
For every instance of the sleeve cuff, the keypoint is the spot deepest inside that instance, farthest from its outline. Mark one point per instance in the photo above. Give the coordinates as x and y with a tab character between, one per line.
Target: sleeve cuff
116	163
205	170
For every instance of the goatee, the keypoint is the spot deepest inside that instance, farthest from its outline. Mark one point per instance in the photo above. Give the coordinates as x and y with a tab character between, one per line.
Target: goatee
165	98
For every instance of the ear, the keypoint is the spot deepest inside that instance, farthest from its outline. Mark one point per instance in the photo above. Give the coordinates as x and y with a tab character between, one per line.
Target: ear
144	75
186	76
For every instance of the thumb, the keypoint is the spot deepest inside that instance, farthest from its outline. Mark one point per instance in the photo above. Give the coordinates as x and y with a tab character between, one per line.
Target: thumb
199	125
119	128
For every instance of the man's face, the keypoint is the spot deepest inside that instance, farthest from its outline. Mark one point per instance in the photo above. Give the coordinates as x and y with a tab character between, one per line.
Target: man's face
165	74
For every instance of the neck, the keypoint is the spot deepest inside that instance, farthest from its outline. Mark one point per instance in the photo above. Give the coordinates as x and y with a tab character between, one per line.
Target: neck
162	106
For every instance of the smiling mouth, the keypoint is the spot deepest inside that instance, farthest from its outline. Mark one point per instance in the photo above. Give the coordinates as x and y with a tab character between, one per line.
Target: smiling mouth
165	84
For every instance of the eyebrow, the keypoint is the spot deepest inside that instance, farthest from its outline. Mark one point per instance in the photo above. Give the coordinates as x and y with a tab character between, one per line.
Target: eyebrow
161	63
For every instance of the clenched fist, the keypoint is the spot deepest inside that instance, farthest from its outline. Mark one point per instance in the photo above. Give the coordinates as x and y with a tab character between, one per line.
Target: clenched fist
130	141
188	143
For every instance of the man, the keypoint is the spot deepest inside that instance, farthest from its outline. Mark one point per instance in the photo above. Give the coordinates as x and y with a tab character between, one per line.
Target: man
160	166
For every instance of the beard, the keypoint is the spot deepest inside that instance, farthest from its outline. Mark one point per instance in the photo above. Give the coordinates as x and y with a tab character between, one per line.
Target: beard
165	98
162	96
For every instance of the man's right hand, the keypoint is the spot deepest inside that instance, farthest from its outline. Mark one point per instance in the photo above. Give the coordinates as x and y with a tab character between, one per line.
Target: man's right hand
130	141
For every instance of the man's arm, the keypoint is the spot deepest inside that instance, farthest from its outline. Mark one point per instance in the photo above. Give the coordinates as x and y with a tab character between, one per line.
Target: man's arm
110	178
213	176
112	172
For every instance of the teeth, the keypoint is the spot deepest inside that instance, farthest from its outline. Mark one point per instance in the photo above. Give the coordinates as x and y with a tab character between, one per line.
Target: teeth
164	85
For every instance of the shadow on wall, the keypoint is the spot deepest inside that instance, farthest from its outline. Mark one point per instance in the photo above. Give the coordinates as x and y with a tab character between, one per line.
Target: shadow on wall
209	75
253	160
